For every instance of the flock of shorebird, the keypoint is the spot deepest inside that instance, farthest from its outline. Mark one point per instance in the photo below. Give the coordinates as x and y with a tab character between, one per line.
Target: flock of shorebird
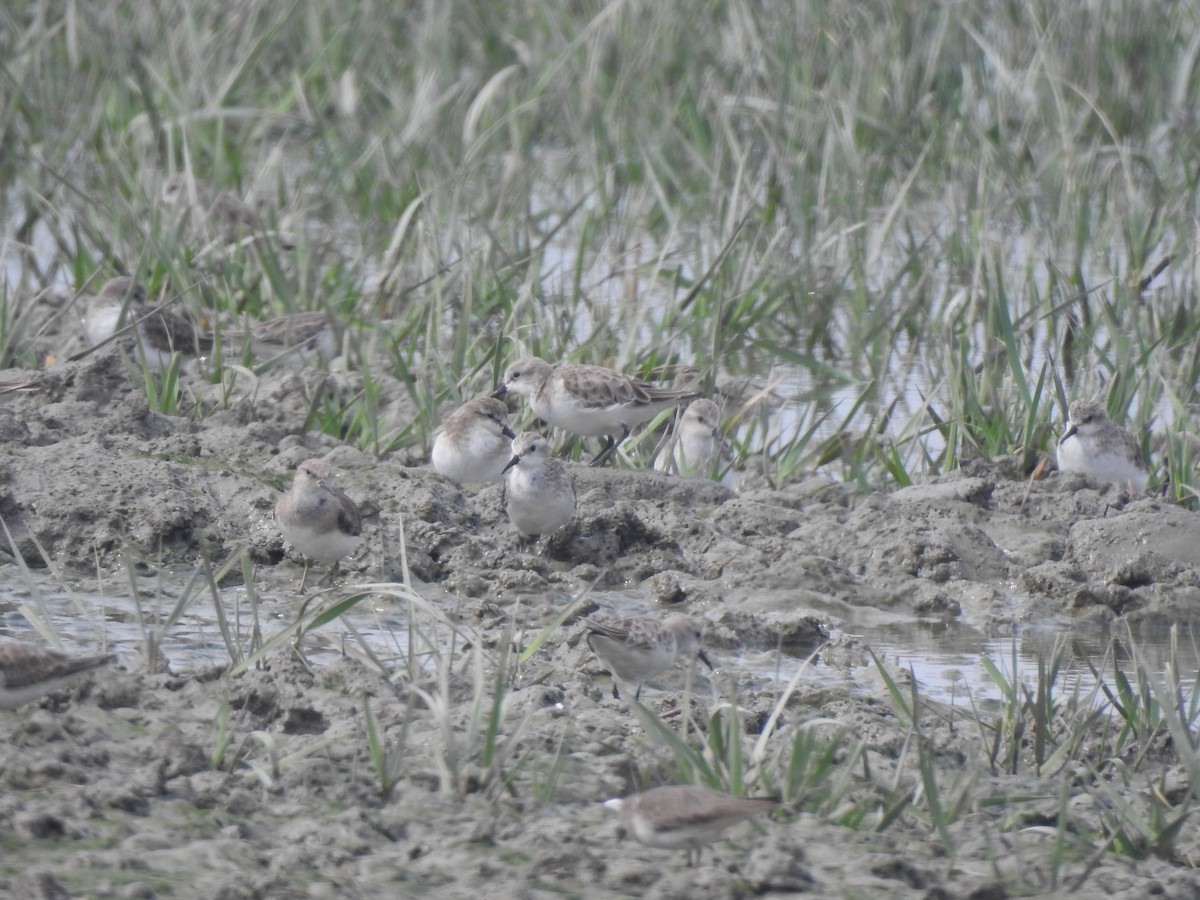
477	446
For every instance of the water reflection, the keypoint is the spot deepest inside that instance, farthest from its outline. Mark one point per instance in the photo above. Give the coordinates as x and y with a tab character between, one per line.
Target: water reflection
948	663
945	659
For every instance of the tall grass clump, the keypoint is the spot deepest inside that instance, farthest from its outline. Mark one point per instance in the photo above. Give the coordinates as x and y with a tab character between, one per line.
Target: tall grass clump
1109	767
1127	744
916	227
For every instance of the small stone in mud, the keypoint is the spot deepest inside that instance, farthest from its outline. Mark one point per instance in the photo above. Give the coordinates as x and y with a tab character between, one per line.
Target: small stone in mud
666	589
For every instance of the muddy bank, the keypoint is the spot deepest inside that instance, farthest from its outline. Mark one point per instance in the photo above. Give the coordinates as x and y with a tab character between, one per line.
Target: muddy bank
90	472
130	785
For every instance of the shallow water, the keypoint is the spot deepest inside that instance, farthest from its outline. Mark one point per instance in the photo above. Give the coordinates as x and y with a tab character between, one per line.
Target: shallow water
949	668
946	659
87	619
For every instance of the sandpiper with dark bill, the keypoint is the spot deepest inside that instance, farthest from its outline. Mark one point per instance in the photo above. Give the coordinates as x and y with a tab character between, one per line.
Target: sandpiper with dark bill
30	671
222	214
318	519
475	444
539	492
299	335
637	648
700	449
1100	448
588	400
685	817
159	333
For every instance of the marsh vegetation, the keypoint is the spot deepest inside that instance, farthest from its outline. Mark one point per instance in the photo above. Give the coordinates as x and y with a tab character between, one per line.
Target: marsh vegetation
896	239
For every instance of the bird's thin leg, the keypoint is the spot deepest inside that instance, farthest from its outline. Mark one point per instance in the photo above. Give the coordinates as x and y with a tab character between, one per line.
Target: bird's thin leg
611	449
602	457
304	577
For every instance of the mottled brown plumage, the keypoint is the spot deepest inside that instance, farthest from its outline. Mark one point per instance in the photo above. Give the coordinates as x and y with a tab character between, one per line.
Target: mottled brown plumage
637	648
160	333
317	518
30	671
685	817
588	400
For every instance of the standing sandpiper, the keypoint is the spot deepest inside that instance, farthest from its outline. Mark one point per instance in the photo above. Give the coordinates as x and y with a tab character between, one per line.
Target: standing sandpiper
685	817
588	400
639	647
160	334
475	444
318	519
1097	446
299	335
700	449
539	492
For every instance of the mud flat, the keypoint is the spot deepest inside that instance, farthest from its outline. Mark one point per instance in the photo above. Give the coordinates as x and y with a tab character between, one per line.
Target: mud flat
190	782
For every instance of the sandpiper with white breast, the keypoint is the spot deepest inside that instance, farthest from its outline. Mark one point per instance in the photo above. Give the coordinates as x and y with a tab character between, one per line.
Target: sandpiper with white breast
1097	446
637	648
539	492
700	449
475	444
588	400
685	817
160	333
30	671
318	519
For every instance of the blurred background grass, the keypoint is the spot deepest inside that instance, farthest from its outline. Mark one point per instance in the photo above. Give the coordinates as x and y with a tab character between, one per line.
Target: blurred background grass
923	227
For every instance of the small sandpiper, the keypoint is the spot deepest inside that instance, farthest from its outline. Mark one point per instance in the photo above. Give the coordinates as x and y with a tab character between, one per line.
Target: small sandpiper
231	220
700	450
299	335
685	817
159	334
475	445
30	671
539	492
1097	446
637	648
318	519
588	400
